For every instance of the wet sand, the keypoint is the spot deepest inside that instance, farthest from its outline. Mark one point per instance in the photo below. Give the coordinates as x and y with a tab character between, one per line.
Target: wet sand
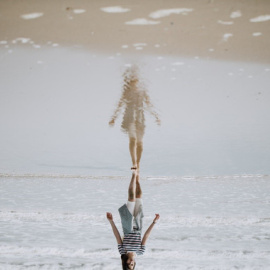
228	30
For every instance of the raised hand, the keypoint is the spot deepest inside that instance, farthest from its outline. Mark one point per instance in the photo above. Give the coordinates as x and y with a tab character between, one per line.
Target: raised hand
109	216
156	218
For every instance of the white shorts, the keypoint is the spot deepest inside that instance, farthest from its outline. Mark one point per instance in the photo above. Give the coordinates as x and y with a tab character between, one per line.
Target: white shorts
134	207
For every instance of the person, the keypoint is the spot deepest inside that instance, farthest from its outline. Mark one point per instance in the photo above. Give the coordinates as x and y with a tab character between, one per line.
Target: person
131	215
136	101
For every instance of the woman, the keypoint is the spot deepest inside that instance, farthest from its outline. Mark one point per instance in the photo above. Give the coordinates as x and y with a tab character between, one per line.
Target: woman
135	100
131	215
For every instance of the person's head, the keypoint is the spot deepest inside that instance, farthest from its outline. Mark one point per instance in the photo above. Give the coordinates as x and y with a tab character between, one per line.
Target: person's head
128	261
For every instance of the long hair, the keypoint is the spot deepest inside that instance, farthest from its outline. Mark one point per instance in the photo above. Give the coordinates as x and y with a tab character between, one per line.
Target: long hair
124	258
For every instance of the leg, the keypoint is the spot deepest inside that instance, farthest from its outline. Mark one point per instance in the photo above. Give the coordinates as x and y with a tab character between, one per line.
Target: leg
138	187
132	150
139	144
139	150
132	187
138	203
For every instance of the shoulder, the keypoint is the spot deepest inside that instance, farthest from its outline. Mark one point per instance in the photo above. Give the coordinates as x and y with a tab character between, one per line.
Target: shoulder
141	250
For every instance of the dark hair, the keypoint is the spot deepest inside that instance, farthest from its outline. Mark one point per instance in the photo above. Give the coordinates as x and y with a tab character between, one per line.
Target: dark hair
124	259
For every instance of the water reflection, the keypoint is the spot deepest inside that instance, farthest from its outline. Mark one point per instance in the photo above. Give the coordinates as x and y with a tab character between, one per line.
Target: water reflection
135	101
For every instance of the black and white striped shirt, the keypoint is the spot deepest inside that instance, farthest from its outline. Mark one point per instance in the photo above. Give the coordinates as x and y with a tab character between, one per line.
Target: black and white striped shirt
132	242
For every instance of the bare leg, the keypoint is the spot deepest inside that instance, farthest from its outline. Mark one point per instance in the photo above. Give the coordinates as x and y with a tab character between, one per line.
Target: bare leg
132	187
132	150
138	187
139	151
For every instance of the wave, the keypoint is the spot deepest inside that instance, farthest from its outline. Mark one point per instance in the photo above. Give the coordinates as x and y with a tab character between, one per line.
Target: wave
119	177
9	251
167	221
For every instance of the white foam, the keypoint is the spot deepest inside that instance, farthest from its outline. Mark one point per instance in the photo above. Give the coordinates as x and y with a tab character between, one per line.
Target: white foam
139	48
262	18
14	217
225	23
167	12
157	45
115	9
256	34
21	39
31	16
227	36
79	11
176	221
3	42
139	44
124	46
236	14
142	21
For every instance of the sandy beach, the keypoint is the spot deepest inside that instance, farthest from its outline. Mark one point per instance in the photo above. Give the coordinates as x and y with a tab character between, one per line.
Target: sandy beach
205	68
212	29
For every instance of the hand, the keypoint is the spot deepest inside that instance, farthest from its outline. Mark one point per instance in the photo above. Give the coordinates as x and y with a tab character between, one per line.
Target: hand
111	123
109	216
156	218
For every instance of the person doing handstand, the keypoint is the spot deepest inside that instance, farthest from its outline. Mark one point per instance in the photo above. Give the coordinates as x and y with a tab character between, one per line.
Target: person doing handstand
131	215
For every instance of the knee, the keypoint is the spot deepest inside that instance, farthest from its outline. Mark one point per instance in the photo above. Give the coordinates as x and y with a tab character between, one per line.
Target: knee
140	144
131	194
138	194
132	140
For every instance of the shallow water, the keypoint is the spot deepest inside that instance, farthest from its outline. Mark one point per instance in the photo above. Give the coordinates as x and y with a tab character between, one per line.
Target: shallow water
56	104
206	223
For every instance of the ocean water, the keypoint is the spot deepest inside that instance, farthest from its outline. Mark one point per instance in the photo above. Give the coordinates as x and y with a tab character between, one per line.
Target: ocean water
206	222
56	103
62	167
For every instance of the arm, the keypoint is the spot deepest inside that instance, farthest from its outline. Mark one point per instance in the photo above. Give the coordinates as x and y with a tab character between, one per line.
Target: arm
147	233
150	108
115	231
120	104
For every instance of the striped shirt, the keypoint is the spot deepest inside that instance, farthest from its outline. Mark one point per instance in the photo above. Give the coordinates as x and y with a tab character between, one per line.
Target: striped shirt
132	242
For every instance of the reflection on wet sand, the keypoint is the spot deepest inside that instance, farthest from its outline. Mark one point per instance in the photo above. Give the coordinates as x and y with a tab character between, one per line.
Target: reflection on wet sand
135	101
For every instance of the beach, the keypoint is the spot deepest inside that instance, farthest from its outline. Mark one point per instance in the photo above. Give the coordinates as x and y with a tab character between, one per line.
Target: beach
205	169
206	223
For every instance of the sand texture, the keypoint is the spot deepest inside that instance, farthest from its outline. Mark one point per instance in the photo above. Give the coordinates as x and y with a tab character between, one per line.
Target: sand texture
230	30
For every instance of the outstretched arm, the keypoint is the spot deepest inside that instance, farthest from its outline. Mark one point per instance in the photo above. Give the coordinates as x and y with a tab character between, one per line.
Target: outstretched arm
147	233
115	230
150	108
116	112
